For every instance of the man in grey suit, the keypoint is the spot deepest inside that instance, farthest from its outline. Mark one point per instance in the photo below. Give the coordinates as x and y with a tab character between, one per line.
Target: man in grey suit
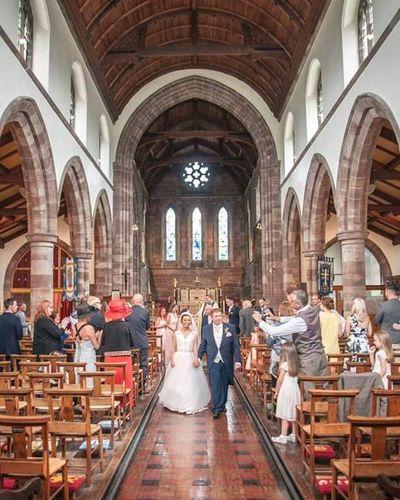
389	313
246	321
140	320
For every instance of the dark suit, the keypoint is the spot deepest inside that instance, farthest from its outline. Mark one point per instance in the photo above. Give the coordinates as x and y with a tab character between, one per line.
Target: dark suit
234	317
221	373
246	321
389	313
140	320
10	333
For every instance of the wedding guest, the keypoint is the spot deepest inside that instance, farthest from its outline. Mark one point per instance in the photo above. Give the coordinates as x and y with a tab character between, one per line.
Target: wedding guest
285	312
316	299
173	318
358	328
306	330
21	314
381	356
287	393
47	335
206	318
140	320
10	329
118	339
86	339
233	313
246	321
389	313
166	333
208	301
263	308
331	327
97	319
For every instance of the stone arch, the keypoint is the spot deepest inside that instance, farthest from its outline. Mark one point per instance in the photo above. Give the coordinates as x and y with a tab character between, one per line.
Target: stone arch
29	132
292	231
221	95
319	183
75	188
366	118
102	236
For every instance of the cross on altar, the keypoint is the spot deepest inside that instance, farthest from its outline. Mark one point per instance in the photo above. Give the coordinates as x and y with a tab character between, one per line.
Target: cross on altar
325	276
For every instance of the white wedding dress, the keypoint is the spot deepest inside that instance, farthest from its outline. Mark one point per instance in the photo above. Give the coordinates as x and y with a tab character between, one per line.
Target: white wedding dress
185	387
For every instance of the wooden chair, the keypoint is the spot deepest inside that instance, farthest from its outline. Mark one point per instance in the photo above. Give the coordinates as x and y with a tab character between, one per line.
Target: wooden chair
9	380
70	352
359	367
5	366
395	368
259	364
64	424
16	402
137	372
328	429
362	357
22	464
32	367
357	468
303	410
343	356
393	381
102	400
16	359
39	383
121	391
335	367
70	371
53	359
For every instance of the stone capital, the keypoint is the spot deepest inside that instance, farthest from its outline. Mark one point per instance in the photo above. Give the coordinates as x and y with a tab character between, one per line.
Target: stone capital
312	254
41	239
352	237
82	255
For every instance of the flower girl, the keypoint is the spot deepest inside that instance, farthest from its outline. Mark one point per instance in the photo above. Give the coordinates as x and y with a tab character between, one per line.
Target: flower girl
381	355
287	392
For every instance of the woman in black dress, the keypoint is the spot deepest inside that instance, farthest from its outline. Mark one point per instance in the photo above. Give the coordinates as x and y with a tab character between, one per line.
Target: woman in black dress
47	336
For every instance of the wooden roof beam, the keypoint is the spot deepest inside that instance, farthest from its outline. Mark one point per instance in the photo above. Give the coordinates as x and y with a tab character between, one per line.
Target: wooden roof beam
12	179
384	209
149	137
190	49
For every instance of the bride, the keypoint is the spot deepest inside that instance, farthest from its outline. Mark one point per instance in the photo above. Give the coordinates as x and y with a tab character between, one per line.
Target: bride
185	387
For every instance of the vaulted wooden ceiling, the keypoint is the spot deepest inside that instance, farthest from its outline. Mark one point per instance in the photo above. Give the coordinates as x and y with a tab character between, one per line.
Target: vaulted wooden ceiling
196	130
130	42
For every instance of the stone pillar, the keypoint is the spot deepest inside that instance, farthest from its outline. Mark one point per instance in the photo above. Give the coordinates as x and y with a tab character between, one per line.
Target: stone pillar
353	266
271	234
42	263
83	271
311	257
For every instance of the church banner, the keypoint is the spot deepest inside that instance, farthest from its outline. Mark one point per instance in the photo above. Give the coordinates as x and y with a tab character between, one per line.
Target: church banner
70	280
325	275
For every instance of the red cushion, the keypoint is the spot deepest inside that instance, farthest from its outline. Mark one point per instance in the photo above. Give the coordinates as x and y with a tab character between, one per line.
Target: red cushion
324	451
9	483
74	482
324	484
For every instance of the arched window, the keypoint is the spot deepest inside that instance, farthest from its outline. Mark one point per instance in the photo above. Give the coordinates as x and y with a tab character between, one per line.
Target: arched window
104	145
314	98
223	235
350	39
258	200
197	244
289	142
365	29
25	31
78	101
170	234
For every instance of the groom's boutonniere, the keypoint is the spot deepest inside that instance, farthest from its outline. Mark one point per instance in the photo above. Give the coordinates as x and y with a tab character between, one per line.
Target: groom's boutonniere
227	332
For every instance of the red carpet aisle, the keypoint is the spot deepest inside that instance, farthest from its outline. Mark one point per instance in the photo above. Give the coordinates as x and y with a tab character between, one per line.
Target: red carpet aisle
195	457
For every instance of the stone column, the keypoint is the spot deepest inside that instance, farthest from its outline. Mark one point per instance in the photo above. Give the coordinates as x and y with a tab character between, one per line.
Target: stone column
311	257
353	266
83	271
42	250
271	234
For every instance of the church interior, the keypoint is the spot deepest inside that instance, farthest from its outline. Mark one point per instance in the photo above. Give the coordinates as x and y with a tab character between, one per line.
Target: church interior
192	151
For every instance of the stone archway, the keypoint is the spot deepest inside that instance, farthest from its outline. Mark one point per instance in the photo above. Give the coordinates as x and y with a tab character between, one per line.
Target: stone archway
102	246
363	127
237	105
319	184
75	189
29	132
291	230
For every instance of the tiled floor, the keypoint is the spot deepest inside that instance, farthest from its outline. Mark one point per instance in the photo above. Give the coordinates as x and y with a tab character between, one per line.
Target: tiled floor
185	456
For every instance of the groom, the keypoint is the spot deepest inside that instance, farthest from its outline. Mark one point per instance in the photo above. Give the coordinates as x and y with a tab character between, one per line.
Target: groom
222	348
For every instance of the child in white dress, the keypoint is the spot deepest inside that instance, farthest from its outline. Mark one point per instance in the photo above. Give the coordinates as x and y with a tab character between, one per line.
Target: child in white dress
381	356
287	393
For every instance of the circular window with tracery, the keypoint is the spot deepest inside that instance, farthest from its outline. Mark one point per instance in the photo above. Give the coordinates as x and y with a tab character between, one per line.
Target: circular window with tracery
196	174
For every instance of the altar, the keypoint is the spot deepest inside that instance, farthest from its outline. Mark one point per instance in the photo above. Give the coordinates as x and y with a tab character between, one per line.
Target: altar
192	298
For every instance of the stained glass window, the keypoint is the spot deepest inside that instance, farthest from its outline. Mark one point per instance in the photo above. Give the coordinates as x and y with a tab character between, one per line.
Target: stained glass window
25	31
170	234
365	29
223	244
196	175
320	101
197	246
